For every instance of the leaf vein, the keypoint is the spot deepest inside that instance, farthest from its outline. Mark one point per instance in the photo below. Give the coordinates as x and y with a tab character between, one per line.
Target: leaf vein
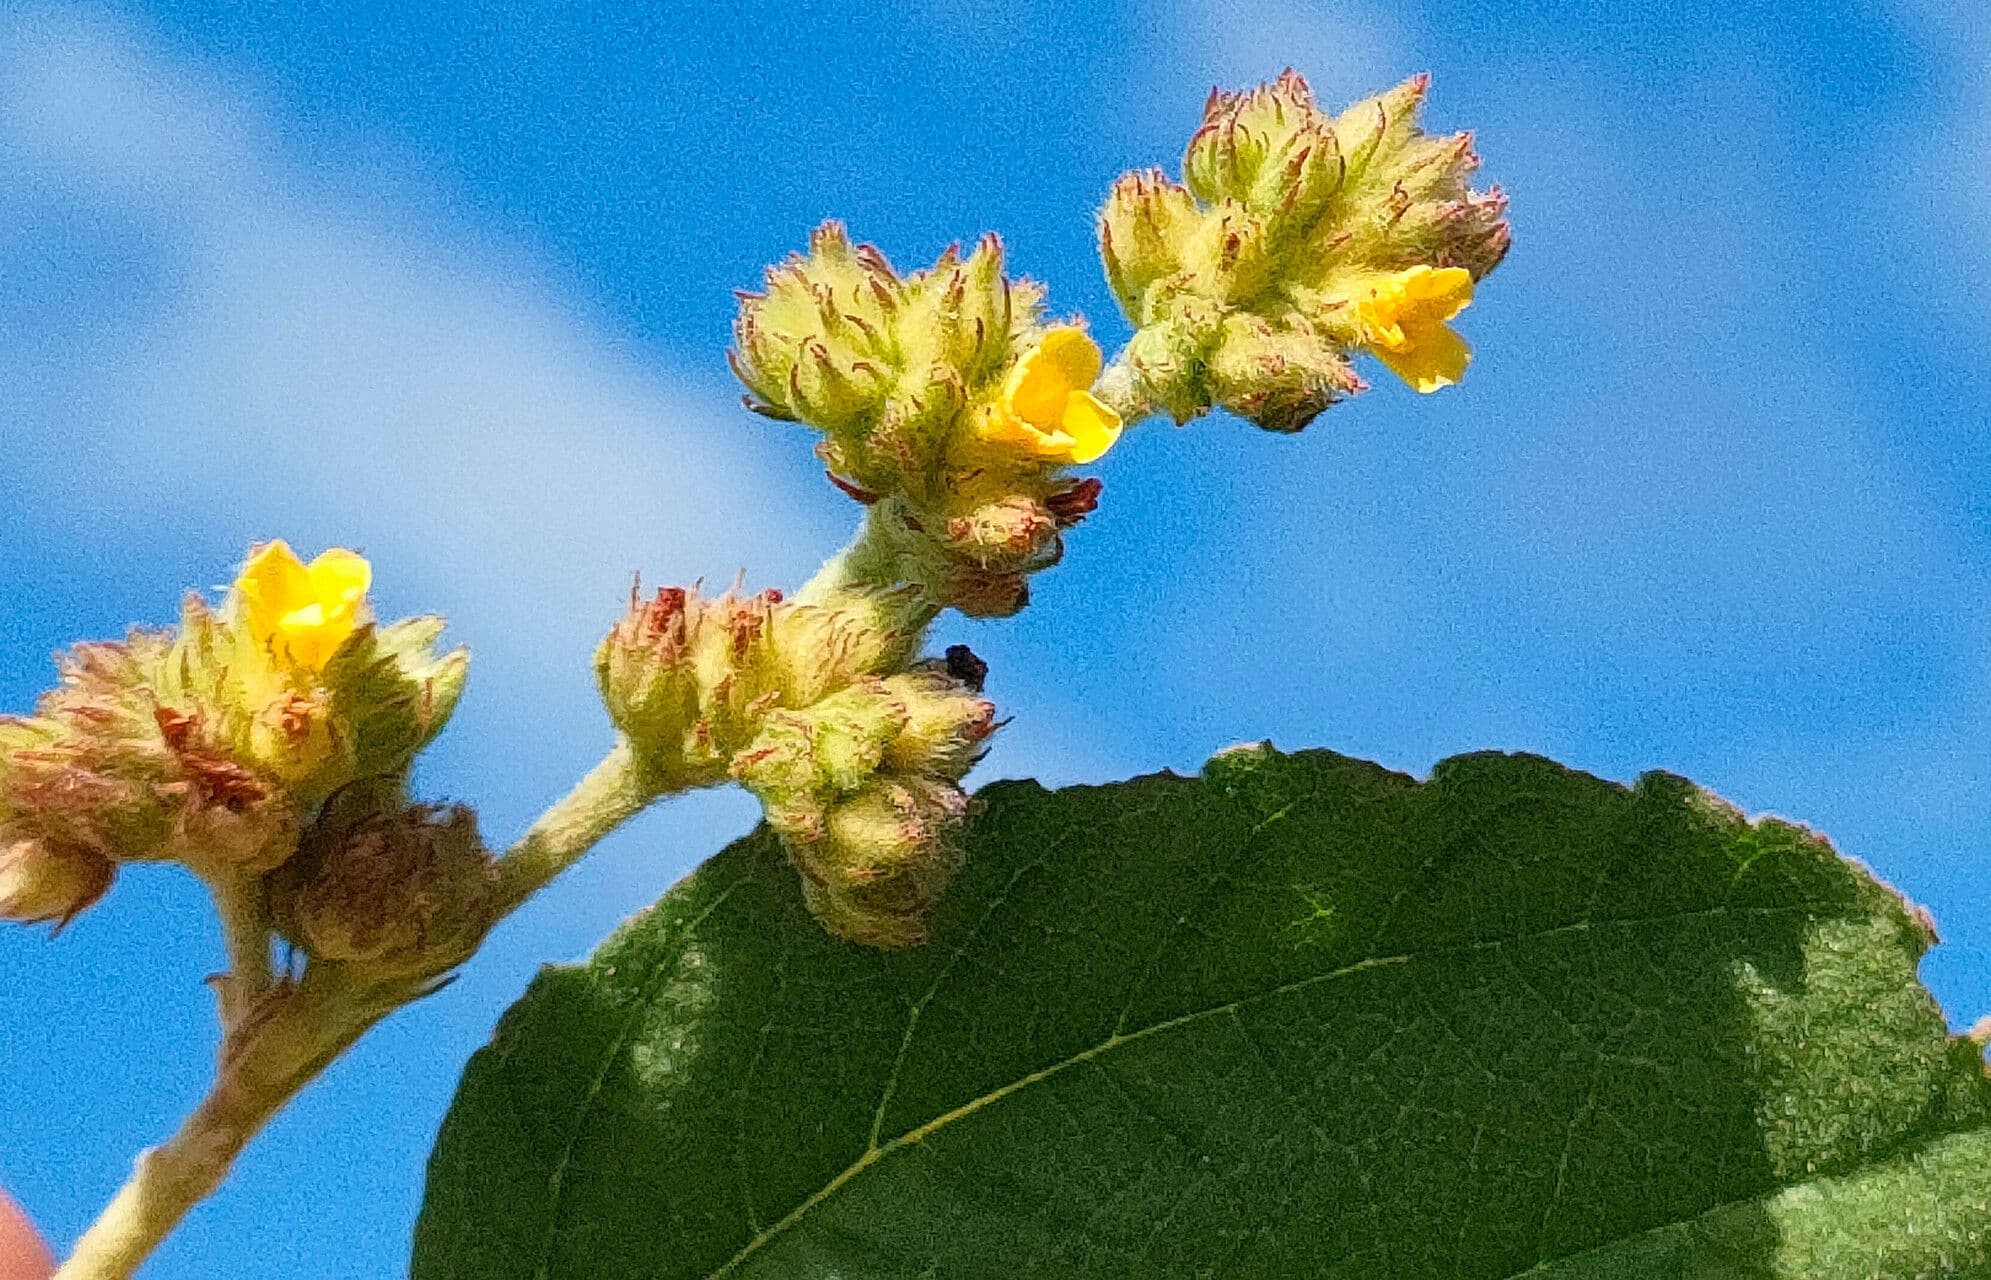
912	1137
557	1184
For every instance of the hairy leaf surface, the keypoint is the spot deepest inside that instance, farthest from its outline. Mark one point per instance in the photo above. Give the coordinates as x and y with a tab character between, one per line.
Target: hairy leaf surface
1302	1016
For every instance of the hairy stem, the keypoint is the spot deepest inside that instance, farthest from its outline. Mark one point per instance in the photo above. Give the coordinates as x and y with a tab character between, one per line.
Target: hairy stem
870	559
613	792
280	1043
279	1034
242	902
167	1181
877	559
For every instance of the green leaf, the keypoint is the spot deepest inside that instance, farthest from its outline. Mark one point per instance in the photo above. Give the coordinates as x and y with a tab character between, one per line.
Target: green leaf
1300	1017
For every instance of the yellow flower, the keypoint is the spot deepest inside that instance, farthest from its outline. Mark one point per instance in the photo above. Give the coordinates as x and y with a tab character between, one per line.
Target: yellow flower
1046	407
1403	321
302	613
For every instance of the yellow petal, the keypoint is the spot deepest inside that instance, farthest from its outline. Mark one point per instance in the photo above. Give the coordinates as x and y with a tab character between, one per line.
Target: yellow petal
301	614
1075	355
1092	426
340	579
1434	357
1003	427
1443	292
308	638
1063	361
1036	391
271	584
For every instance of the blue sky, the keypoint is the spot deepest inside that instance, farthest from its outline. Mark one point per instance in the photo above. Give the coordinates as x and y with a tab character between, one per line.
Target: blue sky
450	283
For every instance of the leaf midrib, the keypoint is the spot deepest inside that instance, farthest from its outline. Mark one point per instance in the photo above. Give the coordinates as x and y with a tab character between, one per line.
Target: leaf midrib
874	1154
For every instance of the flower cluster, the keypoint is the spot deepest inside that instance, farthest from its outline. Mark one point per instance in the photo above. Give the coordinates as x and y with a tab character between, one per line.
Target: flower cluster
221	743
689	678
856	752
864	788
1293	240
954	409
266	743
947	403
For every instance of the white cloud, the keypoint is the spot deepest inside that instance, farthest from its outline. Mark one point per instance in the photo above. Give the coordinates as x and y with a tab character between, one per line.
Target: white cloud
81	96
1940	163
317	362
1347	49
276	360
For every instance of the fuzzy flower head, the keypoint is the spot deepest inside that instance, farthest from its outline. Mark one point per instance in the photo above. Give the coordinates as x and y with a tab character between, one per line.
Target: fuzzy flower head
1047	409
687	678
215	743
946	403
864	789
1295	239
1403	322
300	614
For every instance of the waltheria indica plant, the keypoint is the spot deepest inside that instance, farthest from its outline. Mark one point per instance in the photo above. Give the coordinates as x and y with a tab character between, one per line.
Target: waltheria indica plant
265	743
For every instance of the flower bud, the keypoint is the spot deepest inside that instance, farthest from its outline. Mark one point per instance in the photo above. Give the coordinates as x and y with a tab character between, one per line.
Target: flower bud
945	727
800	758
1168	357
1014	534
690	681
1295	239
822	647
41	881
959	315
1268	149
390	693
1144	232
1280	378
885	856
819	333
1407	192
645	671
406	893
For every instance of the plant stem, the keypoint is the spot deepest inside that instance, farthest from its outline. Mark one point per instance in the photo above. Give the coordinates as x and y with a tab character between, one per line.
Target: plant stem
864	574
613	792
167	1181
242	902
279	1034
279	1044
869	560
